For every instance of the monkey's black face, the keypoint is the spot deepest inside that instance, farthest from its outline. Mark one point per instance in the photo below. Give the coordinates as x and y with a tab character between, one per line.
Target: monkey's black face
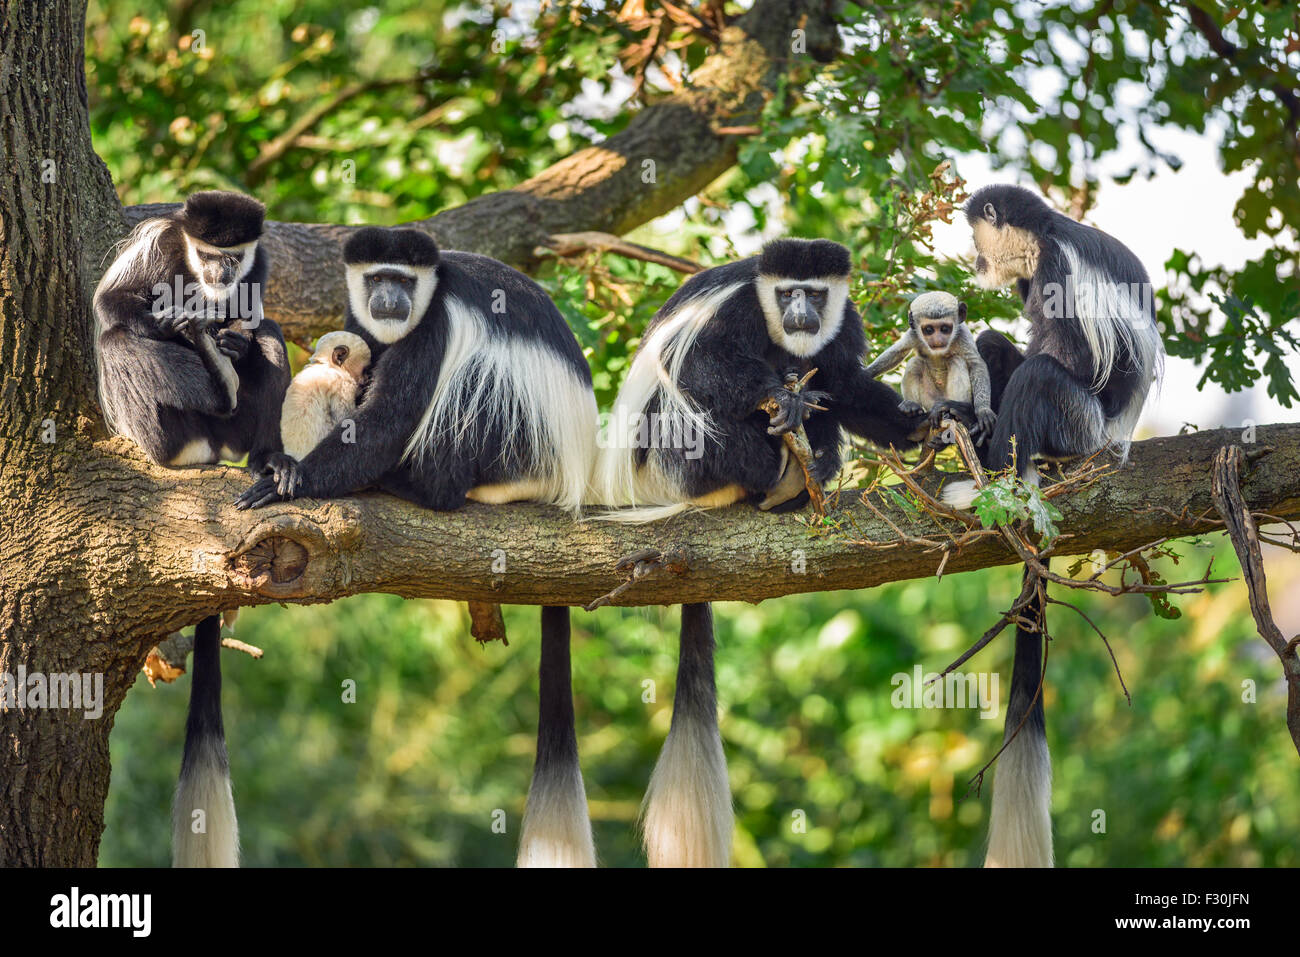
218	269
802	307
388	293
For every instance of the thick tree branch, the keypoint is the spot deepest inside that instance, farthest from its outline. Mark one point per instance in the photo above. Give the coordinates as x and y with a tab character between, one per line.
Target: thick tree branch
182	551
667	153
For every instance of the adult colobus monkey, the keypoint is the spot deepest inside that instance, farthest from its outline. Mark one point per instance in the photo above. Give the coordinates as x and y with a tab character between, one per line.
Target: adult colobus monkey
721	345
191	371
478	391
1094	353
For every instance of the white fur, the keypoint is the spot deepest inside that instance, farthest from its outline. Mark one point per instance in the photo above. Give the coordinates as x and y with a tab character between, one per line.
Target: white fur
655	371
1110	317
322	395
426	281
248	252
557	829
961	494
207	788
687	815
136	255
526	386
1020	825
501	493
194	452
802	343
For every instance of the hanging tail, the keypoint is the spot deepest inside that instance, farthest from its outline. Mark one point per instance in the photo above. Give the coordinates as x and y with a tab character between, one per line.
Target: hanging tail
557	827
1020	825
204	830
687	815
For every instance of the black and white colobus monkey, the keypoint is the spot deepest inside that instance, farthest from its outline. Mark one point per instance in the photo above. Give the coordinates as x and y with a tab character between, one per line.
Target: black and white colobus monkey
723	343
191	371
947	375
478	391
1093	354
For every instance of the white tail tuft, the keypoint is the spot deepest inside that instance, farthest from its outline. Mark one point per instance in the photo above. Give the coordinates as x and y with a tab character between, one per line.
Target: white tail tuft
959	494
557	828
687	816
1020	826
205	787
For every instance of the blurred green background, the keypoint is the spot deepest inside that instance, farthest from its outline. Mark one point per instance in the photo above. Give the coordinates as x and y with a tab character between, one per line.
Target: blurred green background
442	731
419	105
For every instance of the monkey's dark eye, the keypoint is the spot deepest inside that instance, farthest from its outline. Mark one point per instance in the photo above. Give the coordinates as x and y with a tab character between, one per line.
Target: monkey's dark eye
818	295
945	328
927	330
785	295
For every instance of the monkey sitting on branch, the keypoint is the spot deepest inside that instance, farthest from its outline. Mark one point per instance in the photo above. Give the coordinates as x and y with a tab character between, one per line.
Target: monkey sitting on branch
947	377
320	397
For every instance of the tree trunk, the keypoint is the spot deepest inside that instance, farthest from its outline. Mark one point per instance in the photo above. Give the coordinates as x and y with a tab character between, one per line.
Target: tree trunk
57	212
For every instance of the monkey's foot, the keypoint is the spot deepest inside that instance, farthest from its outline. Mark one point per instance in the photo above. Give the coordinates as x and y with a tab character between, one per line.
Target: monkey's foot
640	565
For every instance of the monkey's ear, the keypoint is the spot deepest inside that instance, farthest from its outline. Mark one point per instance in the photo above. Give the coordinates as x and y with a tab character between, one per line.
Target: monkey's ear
961	312
990	214
340	355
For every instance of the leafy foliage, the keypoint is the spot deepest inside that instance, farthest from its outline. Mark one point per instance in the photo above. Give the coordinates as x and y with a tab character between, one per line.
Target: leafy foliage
1006	501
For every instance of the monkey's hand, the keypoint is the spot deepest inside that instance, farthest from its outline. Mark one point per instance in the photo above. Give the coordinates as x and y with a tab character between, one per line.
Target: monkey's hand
285	470
908	407
176	323
232	343
791	409
268	489
985	420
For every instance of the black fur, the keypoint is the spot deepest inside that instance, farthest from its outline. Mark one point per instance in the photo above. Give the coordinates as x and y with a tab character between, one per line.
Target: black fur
403	376
557	741
1042	395
734	365
1042	392
804	259
158	387
203	722
219	218
375	244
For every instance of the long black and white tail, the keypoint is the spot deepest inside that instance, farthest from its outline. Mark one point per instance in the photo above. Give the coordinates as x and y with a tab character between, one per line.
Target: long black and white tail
204	830
1020	826
687	815
557	827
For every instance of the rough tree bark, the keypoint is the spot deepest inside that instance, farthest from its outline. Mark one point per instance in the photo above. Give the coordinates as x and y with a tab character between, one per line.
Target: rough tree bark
57	209
102	554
